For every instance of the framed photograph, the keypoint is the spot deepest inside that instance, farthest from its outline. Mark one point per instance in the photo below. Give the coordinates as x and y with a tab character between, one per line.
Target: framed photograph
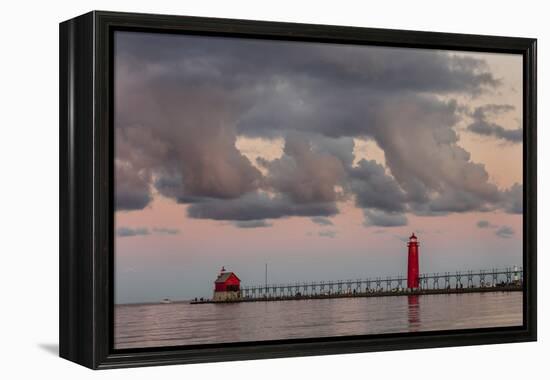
236	189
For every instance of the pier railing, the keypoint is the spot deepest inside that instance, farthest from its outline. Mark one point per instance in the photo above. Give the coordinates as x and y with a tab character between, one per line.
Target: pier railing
510	276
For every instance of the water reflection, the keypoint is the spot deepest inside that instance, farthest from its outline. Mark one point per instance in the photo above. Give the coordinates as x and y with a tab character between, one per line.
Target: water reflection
413	312
179	323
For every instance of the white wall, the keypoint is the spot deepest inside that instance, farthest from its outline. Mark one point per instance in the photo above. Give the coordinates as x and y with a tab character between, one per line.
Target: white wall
29	175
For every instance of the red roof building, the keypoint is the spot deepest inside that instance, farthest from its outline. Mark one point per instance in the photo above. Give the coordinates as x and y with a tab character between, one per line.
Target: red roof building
227	286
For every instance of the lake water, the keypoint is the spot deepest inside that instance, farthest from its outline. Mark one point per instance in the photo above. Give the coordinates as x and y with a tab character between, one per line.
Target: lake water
180	323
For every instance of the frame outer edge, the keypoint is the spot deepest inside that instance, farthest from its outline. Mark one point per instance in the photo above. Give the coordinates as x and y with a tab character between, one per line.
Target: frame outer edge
103	191
530	158
85	175
76	327
66	326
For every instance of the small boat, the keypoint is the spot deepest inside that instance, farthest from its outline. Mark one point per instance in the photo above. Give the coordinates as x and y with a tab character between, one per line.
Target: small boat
167	300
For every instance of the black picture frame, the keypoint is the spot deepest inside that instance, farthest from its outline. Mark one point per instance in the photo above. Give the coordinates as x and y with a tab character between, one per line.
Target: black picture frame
86	189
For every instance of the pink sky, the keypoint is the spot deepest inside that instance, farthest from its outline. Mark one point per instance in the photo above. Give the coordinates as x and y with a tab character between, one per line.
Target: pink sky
181	145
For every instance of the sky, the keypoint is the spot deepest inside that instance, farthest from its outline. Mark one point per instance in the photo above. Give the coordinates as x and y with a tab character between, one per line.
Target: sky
316	159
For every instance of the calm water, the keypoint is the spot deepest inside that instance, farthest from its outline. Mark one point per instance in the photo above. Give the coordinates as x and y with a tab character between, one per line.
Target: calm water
150	325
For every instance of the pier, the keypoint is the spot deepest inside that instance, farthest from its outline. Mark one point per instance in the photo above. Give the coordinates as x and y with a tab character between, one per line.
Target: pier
227	287
493	280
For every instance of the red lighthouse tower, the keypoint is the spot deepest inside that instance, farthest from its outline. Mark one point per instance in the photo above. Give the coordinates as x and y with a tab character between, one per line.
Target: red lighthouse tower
412	272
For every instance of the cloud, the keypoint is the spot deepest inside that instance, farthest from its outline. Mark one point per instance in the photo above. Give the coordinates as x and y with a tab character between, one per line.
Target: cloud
252	223
484	224
436	174
166	231
304	175
328	234
374	189
129	232
132	188
512	199
457	200
143	231
182	103
189	137
322	221
254	206
482	126
504	232
384	219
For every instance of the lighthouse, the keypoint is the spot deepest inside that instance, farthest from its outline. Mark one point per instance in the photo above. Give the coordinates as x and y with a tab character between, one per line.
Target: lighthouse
412	270
227	287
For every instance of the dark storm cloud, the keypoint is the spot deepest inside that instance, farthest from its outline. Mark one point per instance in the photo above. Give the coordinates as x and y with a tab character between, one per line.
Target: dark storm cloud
322	221
209	58
252	224
504	232
181	102
482	126
129	232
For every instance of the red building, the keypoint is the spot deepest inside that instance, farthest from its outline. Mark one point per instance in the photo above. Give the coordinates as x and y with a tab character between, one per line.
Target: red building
413	270
227	286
